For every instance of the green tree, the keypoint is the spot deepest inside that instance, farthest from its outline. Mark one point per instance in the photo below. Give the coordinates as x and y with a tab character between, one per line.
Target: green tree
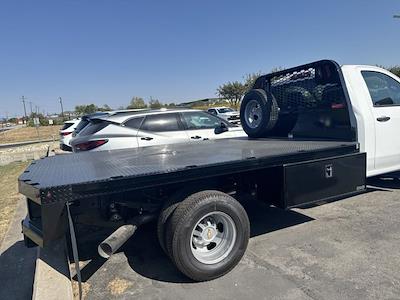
105	107
154	103
250	79
395	70
172	104
137	103
232	91
84	109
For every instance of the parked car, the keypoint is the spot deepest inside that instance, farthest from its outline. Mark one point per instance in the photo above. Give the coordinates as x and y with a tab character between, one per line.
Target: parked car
85	120
226	113
66	134
152	127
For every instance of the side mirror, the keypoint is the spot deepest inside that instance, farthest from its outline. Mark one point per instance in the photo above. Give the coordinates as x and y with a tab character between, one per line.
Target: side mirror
221	128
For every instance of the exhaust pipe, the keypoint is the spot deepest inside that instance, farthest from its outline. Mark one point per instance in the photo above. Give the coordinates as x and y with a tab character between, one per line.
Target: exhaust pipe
116	240
122	234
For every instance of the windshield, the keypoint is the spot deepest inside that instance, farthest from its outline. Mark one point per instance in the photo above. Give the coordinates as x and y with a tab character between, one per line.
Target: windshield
224	110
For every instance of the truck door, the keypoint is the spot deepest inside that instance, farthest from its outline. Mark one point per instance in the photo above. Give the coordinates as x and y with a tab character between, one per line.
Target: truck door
384	90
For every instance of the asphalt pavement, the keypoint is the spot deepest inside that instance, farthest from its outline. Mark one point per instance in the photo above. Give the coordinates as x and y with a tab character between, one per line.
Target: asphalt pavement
347	249
17	263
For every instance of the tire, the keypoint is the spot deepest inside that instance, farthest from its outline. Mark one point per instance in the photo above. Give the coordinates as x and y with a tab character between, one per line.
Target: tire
224	239
166	212
164	218
258	113
171	204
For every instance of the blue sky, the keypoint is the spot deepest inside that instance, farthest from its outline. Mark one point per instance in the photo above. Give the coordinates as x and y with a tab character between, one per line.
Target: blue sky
108	51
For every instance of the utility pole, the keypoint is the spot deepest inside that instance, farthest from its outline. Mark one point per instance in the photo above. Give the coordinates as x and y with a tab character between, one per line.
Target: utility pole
62	108
23	101
30	104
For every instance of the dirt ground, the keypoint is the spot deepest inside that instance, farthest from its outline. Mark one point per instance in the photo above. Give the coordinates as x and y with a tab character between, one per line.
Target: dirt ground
29	134
9	193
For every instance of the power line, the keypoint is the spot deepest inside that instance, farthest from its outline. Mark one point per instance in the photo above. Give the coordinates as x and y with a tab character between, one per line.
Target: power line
396	16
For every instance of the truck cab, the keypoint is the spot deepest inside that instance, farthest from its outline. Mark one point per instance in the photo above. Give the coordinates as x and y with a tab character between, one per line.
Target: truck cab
375	98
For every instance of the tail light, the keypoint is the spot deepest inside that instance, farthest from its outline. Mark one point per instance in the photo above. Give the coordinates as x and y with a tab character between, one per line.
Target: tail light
65	133
89	145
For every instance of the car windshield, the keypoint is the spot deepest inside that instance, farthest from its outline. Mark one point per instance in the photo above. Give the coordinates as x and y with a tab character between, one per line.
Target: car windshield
225	110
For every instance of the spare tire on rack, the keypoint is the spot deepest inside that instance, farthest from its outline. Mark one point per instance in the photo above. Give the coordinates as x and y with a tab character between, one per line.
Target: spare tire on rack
259	113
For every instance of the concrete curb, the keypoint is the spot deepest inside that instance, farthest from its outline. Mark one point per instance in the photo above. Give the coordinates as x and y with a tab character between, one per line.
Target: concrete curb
26	143
52	276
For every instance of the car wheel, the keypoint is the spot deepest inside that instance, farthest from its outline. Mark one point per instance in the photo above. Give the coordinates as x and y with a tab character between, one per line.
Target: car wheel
207	235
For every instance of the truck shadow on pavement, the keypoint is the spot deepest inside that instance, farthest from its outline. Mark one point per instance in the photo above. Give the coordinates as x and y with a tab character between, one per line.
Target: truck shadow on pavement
387	181
145	256
17	265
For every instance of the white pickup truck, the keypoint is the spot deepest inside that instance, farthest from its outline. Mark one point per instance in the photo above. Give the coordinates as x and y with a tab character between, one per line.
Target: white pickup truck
315	132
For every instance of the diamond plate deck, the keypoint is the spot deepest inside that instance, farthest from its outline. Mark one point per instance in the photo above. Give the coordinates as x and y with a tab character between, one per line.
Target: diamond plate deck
86	167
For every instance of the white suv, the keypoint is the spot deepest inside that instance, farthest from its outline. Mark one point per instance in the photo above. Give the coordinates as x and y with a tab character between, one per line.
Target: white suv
66	134
225	113
152	127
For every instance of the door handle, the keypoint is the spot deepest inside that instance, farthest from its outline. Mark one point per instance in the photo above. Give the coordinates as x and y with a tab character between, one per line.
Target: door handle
383	119
196	137
146	138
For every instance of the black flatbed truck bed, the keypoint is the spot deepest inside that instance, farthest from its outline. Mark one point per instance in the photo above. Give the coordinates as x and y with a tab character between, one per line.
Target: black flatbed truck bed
50	182
79	175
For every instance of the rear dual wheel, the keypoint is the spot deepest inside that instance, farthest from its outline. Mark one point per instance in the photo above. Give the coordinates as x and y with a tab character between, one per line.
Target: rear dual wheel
207	235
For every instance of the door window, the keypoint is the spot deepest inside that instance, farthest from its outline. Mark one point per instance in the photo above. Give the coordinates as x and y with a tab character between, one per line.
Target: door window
384	90
212	111
201	120
161	122
134	123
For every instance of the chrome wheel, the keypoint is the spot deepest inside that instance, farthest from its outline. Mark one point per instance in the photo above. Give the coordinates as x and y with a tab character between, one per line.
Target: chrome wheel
213	238
253	114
